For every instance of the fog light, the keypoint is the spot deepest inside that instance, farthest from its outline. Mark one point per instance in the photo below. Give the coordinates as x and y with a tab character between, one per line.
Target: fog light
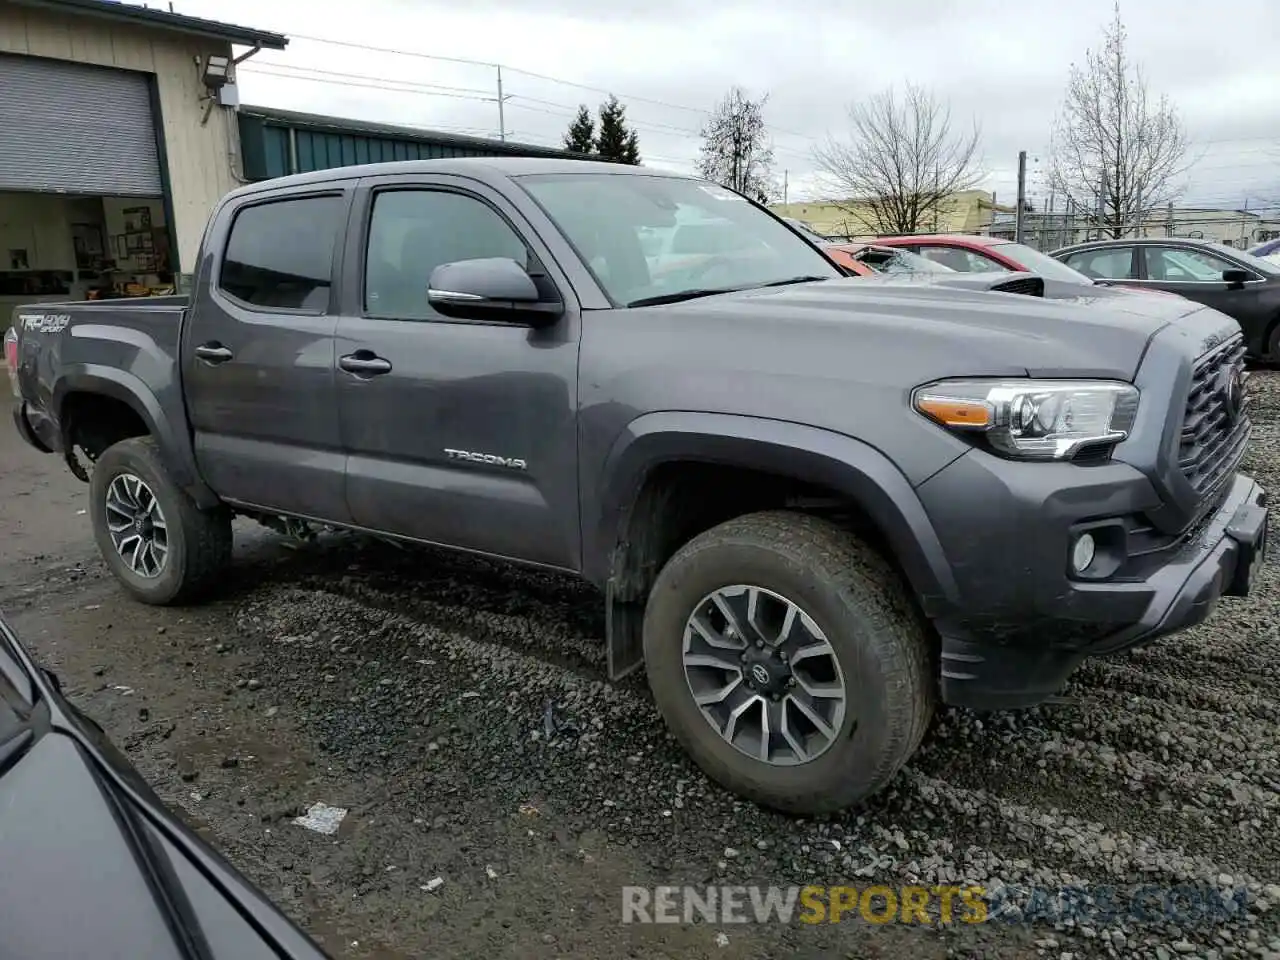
1082	553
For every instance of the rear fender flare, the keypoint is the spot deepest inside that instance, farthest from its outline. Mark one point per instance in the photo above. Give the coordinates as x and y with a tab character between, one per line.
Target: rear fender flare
174	446
843	464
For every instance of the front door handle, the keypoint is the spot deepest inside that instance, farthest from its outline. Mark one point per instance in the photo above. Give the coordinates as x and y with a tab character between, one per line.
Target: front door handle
364	363
213	352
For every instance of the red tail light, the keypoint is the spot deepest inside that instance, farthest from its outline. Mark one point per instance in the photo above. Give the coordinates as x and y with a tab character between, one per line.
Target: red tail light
11	359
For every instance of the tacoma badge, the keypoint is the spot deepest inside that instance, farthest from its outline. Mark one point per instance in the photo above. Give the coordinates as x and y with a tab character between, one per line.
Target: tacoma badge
512	463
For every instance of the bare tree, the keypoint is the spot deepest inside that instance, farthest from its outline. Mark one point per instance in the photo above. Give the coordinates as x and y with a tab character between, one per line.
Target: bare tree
1117	151
901	160
736	152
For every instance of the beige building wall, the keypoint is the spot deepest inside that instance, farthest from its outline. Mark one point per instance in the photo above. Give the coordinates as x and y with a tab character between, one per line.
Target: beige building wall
200	158
967	212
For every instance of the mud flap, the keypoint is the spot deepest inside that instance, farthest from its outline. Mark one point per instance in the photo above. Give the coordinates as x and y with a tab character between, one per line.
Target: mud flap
624	635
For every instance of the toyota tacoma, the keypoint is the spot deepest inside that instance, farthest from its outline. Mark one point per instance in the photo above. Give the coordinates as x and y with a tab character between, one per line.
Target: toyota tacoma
816	505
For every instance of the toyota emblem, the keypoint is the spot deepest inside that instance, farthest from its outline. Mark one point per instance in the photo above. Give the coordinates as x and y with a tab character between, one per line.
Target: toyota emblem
1233	394
759	674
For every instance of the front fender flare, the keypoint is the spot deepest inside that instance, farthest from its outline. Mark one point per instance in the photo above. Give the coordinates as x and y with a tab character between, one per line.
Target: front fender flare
822	457
174	445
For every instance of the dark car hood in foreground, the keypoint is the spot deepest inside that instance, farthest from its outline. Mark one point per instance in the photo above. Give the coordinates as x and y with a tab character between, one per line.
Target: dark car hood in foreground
937	325
91	862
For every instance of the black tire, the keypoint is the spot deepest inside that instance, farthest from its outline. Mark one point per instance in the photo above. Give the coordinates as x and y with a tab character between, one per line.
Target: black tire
199	541
858	600
1273	343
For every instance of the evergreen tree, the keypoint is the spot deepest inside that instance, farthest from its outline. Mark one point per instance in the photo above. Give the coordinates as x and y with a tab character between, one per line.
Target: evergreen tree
615	142
581	137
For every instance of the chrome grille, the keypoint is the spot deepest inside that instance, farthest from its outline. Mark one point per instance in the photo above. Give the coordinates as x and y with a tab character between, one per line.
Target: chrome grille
1215	426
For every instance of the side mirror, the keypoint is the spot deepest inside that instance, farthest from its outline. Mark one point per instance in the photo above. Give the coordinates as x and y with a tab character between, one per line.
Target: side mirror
493	288
1236	277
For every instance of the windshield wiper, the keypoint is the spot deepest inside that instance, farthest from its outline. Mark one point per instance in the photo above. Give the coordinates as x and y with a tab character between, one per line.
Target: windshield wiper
682	295
790	280
712	291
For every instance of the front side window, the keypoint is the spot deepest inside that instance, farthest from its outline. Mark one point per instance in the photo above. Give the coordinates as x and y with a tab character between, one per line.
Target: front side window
961	259
1185	266
659	238
1109	263
412	232
279	255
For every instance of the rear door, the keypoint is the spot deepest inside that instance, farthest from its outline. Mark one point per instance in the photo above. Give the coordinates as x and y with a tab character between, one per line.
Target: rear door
458	432
258	354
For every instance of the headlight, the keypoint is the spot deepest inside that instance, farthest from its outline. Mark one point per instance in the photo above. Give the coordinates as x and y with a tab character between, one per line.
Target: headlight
1033	419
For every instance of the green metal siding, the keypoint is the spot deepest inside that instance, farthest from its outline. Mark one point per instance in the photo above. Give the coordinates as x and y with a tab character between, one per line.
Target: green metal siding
266	150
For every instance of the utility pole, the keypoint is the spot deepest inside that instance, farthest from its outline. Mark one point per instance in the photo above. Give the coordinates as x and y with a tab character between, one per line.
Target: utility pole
1137	214
1168	230
785	176
502	121
1022	195
1102	193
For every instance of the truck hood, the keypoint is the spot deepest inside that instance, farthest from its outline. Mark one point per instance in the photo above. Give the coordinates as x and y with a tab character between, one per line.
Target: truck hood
943	325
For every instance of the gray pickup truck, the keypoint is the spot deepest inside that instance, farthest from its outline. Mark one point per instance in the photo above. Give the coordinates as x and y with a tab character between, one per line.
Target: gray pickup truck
815	504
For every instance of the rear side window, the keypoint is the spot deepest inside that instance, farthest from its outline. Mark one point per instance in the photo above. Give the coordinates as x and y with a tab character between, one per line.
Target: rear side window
279	255
1109	263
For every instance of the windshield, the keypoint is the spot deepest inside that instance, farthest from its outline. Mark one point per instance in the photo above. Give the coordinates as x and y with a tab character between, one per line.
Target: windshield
1036	262
889	260
647	237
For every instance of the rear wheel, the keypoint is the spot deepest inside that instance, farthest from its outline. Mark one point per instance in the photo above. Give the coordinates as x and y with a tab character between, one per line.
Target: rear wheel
161	547
786	657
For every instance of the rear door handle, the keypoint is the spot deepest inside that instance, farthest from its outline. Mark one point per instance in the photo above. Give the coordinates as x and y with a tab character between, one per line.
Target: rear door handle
364	363
213	353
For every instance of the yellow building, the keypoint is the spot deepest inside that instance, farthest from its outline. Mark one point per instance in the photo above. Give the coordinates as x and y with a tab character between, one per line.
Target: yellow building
967	212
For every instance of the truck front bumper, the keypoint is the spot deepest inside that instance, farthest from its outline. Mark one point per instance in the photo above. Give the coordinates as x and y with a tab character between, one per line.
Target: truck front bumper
1024	622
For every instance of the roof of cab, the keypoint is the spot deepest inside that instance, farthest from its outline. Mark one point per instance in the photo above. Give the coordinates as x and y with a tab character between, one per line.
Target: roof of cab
481	168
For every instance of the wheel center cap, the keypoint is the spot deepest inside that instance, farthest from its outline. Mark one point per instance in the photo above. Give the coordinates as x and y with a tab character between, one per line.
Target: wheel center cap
760	674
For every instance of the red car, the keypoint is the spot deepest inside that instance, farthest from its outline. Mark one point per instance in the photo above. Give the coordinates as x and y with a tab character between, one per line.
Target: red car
869	259
972	254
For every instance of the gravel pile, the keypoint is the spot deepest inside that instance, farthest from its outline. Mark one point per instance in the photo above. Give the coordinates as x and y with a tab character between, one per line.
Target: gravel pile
475	691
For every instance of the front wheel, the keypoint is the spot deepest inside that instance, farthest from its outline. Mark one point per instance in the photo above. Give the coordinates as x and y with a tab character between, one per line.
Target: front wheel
160	546
786	657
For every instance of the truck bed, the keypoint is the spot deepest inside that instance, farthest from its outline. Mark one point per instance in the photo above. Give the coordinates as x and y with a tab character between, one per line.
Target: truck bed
111	347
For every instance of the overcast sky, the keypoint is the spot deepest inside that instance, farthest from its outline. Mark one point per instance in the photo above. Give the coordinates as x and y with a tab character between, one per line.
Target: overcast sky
1000	62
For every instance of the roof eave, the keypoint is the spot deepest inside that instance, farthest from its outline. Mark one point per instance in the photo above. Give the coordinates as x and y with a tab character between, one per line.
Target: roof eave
162	20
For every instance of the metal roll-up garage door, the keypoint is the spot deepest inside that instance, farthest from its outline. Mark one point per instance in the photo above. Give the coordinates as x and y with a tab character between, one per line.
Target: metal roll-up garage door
77	129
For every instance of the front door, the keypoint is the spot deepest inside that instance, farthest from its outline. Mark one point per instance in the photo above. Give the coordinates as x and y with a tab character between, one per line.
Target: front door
457	432
1197	275
257	356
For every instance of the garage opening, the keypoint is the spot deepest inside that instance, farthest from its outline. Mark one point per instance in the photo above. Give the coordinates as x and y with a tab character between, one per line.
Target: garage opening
82	209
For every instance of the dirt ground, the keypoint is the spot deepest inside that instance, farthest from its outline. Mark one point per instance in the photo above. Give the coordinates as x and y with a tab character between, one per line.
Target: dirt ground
412	688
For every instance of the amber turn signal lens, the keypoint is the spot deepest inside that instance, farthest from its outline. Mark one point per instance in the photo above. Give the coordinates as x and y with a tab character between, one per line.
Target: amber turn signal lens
961	414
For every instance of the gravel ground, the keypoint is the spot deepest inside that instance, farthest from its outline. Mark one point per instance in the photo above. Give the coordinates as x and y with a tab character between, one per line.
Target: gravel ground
413	689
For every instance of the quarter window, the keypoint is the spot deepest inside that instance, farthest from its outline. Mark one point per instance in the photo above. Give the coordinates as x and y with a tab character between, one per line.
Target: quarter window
279	255
412	232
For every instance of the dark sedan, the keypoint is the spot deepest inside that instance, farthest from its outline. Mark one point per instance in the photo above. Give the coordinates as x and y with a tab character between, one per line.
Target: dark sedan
1239	284
94	865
